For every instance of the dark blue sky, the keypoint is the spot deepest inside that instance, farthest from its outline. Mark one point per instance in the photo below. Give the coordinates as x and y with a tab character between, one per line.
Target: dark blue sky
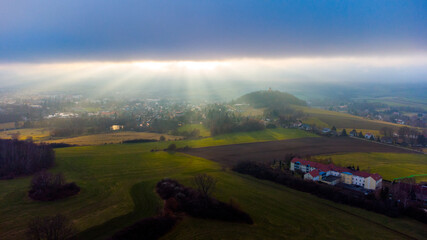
107	30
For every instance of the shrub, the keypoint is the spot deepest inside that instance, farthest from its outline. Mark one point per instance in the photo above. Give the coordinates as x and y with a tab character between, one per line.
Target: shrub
183	199
51	228
171	147
205	184
48	187
148	228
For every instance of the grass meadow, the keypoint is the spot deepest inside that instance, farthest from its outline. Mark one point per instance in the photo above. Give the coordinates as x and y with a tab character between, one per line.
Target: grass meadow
224	139
325	118
37	134
111	138
118	182
388	165
204	132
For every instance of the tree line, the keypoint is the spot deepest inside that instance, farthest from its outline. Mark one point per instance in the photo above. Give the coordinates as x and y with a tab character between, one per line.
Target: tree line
219	120
23	158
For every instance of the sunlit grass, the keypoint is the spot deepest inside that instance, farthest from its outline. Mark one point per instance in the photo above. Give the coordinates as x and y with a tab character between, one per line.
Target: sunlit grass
36	134
115	137
388	165
325	118
204	132
118	182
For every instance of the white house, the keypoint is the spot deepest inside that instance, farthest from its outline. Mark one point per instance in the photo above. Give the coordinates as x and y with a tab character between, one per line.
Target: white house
315	171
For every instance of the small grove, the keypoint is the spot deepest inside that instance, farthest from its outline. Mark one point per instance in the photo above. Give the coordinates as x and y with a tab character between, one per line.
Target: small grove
179	200
19	158
23	158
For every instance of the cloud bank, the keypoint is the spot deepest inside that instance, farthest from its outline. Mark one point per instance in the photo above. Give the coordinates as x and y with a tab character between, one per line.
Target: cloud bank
108	30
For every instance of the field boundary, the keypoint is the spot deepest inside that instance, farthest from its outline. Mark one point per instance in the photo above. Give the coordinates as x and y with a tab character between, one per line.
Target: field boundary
391	145
285	188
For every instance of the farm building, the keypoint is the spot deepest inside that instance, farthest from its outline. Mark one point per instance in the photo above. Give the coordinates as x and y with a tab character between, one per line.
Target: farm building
305	127
369	136
332	174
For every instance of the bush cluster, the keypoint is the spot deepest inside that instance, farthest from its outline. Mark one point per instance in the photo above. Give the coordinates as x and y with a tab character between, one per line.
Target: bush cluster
184	199
148	228
56	227
23	158
46	186
332	193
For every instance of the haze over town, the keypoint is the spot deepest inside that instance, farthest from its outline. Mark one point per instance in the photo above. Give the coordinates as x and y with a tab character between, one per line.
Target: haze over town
241	119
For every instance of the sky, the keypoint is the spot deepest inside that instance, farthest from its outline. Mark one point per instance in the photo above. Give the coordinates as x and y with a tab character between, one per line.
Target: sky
385	39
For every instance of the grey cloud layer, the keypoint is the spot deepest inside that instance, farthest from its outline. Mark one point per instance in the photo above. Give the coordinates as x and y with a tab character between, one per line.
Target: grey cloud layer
42	30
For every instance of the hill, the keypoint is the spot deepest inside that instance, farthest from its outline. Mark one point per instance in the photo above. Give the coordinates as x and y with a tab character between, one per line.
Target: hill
270	99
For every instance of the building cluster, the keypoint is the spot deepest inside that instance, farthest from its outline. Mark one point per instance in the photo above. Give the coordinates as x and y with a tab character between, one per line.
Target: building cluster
331	174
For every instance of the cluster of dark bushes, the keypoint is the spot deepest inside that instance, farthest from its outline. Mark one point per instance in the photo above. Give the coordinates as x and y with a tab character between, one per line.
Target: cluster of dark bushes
56	227
195	133
22	158
228	126
219	120
61	145
332	193
46	186
197	204
139	141
148	228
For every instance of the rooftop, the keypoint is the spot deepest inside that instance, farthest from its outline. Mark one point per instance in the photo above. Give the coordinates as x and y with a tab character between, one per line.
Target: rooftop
331	167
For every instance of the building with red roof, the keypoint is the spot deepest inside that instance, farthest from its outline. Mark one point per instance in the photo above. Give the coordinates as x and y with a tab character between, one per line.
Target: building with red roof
317	171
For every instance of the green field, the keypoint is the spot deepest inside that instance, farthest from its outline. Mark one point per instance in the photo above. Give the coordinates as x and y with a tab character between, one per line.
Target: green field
204	132
400	102
224	139
388	165
37	134
325	118
118	182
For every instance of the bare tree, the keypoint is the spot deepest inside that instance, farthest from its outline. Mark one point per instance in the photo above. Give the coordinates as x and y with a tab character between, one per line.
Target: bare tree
387	131
50	228
205	184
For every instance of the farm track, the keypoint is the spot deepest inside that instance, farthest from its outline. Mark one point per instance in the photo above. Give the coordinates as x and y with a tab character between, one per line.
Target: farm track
229	155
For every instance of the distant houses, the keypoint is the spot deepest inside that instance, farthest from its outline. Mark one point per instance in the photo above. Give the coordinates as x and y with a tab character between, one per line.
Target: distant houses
305	127
326	130
116	127
369	136
353	133
332	175
387	140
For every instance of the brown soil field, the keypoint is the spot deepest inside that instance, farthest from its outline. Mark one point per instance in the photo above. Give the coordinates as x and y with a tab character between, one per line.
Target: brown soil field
229	155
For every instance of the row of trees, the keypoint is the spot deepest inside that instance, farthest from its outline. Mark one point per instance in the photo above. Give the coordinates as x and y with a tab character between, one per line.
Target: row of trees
407	134
219	120
286	116
23	158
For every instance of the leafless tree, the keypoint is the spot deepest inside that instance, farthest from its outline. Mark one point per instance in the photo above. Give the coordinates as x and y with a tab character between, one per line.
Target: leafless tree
205	184
50	228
